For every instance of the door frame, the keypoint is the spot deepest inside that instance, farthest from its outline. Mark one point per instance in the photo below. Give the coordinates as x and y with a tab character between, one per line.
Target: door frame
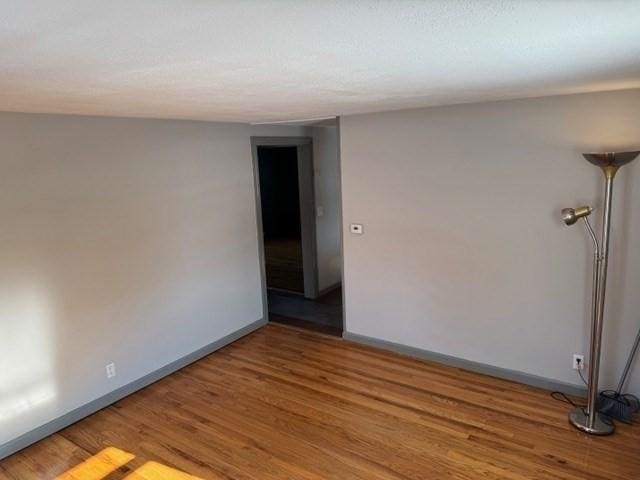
306	188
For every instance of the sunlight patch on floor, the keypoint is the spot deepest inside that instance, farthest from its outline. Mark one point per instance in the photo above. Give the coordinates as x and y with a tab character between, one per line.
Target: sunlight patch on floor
110	459
98	466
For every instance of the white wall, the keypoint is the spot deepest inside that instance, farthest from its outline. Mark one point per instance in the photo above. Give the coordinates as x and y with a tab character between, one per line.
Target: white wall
327	194
464	252
121	240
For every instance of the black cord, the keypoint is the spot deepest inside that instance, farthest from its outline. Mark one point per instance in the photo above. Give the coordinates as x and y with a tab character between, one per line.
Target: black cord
582	377
563	398
628	398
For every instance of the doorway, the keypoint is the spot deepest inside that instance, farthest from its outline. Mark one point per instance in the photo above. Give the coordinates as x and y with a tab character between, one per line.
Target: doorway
281	225
287	221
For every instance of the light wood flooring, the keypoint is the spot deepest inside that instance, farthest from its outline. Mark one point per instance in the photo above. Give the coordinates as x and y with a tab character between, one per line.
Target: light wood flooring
284	403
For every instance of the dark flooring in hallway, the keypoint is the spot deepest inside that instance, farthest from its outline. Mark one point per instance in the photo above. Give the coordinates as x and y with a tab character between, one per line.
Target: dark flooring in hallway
323	314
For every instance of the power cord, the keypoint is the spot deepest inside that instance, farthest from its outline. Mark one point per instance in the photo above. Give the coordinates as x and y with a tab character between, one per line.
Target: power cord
564	398
582	377
629	398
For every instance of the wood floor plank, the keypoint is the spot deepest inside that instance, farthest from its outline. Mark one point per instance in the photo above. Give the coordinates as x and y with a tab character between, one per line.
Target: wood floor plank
99	465
157	471
46	459
284	403
533	423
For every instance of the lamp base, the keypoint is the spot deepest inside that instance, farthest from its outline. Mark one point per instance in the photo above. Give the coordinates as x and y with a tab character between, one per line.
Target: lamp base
601	426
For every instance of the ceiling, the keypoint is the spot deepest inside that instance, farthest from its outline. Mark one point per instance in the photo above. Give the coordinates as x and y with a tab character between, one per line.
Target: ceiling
283	60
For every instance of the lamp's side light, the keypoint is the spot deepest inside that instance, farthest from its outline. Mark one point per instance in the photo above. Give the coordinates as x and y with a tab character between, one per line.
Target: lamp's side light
572	215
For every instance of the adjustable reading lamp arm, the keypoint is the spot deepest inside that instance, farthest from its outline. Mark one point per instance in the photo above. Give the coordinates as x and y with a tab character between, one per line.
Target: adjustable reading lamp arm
592	234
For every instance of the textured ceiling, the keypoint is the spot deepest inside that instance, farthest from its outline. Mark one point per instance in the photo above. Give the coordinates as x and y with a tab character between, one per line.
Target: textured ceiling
265	60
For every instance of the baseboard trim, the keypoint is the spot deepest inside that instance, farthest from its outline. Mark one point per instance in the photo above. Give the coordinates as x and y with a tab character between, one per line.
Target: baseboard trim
485	369
92	407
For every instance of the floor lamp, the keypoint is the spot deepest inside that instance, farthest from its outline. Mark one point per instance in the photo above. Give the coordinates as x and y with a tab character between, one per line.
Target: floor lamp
588	419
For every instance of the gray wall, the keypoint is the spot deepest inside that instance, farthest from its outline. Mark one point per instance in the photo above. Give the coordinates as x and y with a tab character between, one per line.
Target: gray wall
121	240
464	253
327	189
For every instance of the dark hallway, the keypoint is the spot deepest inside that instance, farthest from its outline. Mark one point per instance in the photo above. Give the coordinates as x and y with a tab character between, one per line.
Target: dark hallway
286	184
279	194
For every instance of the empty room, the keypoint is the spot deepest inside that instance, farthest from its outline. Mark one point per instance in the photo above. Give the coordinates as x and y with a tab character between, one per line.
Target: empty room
294	240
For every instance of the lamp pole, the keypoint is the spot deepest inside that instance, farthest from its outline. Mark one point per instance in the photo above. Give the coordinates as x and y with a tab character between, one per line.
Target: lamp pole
589	420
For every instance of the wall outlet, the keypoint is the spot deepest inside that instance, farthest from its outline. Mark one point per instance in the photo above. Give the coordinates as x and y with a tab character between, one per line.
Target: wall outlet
578	361
111	370
356	228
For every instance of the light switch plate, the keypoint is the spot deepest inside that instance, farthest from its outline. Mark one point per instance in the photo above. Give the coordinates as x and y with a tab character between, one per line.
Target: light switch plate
356	228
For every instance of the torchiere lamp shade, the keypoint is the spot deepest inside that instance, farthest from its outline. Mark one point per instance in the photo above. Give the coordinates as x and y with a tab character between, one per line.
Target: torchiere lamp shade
609	162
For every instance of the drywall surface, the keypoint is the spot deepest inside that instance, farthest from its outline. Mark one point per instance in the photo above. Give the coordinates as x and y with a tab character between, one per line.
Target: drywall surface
124	241
327	190
463	251
280	131
327	194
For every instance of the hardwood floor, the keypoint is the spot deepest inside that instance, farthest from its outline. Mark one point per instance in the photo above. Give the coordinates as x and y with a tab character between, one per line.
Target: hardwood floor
283	403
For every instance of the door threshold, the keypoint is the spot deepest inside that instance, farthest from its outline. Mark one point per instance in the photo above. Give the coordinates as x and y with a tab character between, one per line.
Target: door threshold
305	325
